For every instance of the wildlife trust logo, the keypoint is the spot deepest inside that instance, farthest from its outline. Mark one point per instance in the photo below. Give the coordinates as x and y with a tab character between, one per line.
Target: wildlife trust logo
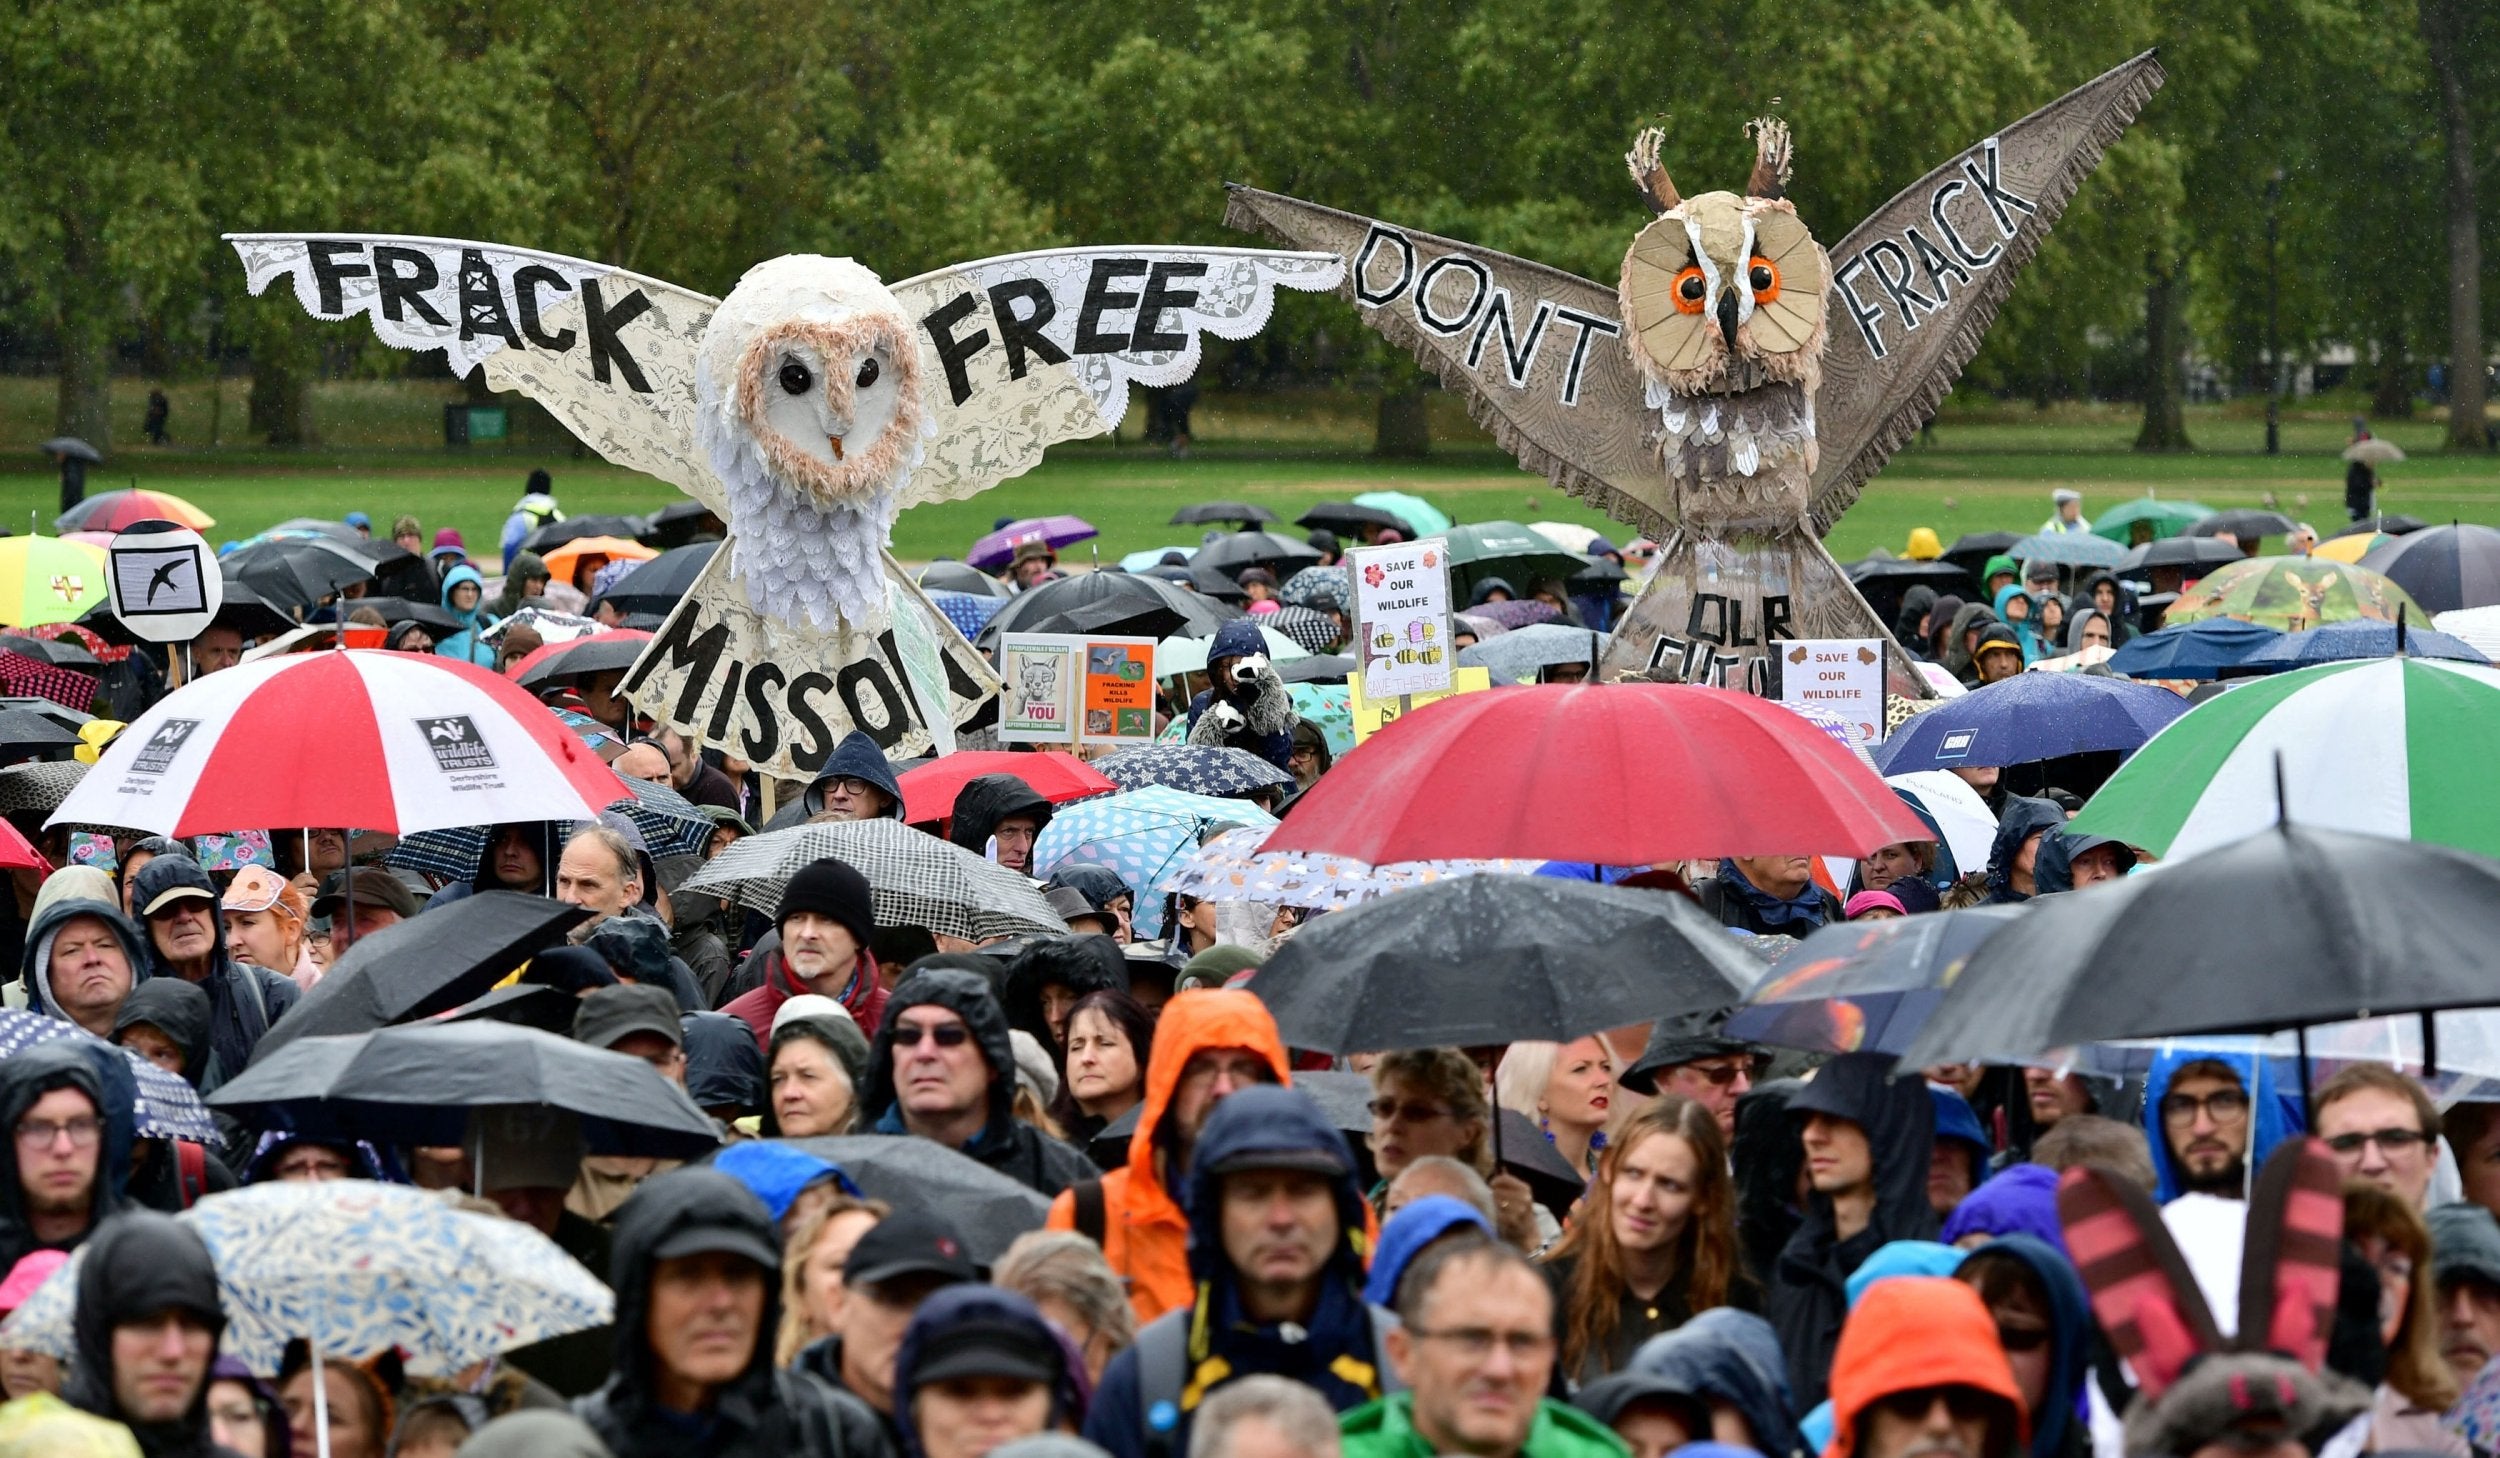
157	755
456	744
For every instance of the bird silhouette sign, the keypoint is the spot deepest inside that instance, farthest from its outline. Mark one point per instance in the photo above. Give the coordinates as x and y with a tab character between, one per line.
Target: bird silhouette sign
163	581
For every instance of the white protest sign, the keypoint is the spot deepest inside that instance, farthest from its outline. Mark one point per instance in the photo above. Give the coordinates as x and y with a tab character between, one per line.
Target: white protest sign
1402	617
164	581
1041	676
1843	676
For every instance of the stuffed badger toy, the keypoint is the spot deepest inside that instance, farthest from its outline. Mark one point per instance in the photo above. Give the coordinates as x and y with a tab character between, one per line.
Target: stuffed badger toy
1245	705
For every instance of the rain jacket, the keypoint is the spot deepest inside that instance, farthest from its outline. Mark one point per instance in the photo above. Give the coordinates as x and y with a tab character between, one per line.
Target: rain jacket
2020	820
864	996
103	1075
1333	1352
177	1009
1809	1296
2274	1113
517	573
534	510
764	1412
987	800
2058	1431
140	1264
859	758
1956	659
546	836
1145	1236
1912	1333
1767	1158
2021	1201
242	1000
466	645
2122	621
989	1305
1386	1429
724	1068
37	962
2026	632
1083	963
1732	1356
1006	1143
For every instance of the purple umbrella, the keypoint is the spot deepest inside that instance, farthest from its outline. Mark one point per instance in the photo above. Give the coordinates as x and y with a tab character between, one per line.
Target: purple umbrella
1518	613
999	547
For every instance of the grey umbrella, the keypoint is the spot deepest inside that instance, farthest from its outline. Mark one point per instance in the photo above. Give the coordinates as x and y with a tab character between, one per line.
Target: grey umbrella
1515	657
987	1209
74	448
915	879
22	732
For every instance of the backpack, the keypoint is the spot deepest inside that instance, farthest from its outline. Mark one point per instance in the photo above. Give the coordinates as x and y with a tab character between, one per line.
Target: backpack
1163	1368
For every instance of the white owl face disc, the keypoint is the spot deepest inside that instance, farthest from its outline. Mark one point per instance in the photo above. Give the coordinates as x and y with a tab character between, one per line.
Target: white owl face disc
834	407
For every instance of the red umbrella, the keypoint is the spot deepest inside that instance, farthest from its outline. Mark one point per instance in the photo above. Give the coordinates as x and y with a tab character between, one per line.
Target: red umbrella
1055	775
19	854
113	510
1619	774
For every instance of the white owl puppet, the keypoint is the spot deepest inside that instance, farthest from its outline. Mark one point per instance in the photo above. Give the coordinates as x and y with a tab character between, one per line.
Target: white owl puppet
807	410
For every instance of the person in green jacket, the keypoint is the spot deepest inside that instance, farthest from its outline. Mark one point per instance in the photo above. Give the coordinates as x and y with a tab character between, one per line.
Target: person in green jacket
1476	1349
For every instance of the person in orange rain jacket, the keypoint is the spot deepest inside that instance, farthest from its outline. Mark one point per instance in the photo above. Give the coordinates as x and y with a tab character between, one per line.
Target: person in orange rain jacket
1920	1369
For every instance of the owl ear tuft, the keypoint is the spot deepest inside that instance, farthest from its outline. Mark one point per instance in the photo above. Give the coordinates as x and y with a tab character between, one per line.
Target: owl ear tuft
1772	157
1648	174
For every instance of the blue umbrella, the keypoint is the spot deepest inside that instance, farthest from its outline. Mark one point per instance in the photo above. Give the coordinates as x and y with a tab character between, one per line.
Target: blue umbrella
1200	769
1141	835
2031	716
2069	549
165	1106
2192	650
2359	638
968	611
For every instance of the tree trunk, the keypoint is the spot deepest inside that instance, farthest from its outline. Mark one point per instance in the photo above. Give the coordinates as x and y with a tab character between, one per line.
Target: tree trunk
2391	396
84	325
279	406
1405	430
2165	427
2442	35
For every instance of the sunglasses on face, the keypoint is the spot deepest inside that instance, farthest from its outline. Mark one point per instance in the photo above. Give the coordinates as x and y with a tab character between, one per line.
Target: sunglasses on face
949	1035
1717	1075
2022	1338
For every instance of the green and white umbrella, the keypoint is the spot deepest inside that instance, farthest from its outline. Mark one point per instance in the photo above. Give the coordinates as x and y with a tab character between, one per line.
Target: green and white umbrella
2400	747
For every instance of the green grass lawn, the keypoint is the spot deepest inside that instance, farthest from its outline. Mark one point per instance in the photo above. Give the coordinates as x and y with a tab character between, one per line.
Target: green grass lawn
1990	468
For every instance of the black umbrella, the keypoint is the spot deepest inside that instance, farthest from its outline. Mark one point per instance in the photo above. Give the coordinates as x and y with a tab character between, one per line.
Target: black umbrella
1318	668
1884	581
418	1083
679	523
2180	552
2245	523
572	528
436	620
2445	567
952	576
987	1209
595	654
1208	512
426	964
2395	526
62	714
292	573
1199	617
74	448
1216	583
548	1009
1521	1148
1242	551
1864	985
1117	616
2322	926
1345	517
657	585
1493	959
25	732
242	611
1971	550
59	652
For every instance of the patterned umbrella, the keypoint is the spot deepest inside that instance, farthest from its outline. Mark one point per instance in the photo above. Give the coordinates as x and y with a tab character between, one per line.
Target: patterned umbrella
1200	769
1846	733
47	580
1516	614
671	825
1313	630
39	784
1141	835
1325	589
166	1107
968	611
113	510
359	1269
1518	657
914	878
1189	655
1232	868
2292	593
1330	706
22	676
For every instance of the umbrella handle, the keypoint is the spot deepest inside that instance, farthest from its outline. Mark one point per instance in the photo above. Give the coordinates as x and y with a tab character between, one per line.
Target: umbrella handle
321	1398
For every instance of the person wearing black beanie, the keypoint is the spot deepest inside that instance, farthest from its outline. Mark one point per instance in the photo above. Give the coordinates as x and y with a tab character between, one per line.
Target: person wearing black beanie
820	944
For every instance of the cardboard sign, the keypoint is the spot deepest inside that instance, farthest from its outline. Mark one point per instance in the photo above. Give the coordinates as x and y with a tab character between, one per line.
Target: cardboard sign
1067	688
164	581
1119	691
1402	617
1843	676
1371	714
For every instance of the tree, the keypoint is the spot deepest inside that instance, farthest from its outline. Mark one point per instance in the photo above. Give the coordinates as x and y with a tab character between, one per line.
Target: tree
2447	34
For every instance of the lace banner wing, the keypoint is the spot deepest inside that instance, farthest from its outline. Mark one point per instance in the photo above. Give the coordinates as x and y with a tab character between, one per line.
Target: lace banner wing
609	353
1915	286
1537	353
1023	351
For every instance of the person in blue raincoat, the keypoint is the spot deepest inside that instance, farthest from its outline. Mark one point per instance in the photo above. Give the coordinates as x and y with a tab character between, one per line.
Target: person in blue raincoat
464	597
2212	1117
2044	1320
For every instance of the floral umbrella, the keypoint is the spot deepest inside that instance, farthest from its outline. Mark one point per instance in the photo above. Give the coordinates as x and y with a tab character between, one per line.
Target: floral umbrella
2292	593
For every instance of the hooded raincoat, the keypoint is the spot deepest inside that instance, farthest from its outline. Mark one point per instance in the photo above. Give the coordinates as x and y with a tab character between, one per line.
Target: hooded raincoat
1956	659
138	1265
2020	820
467	645
987	800
179	1010
763	1412
1006	1144
1081	963
103	1075
544	836
2274	1113
2122	620
1809	1297
37	964
1241	638
2057	1430
243	1000
1732	1356
2020	1201
1912	1333
1145	1236
524	568
2026	630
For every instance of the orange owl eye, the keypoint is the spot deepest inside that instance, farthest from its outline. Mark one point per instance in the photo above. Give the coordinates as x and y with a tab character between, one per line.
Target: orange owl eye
1764	276
1690	289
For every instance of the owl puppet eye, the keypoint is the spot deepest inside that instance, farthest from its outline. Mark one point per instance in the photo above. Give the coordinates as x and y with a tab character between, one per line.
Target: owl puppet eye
867	372
1764	276
796	378
1691	289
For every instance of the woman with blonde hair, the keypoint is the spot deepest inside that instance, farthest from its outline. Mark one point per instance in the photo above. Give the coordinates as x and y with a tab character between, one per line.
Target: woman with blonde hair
1567	1088
811	1271
1654	1243
1064	1274
2419	1385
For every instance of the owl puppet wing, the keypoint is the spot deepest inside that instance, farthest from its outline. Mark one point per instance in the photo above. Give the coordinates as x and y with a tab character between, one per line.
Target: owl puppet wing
806	409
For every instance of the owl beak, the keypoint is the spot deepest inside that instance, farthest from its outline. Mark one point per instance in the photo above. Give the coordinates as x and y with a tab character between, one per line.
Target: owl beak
1727	317
837	446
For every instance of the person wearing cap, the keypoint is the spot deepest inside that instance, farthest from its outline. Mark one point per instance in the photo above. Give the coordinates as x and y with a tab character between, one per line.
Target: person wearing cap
697	1275
2066	861
819	944
942	1067
815	1065
1323	541
360	901
1003	809
2066	516
640	1021
1687	1056
1279	1232
362	523
1034	564
67	1109
146	1331
1104	891
895	1267
1082	916
980	1367
265	918
187	939
82	959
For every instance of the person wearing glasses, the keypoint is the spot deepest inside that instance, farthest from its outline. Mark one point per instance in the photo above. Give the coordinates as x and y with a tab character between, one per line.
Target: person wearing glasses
1277	1234
2382	1128
1689	1058
67	1106
1431	1101
2207	1128
1476	1351
2044	1323
942	1067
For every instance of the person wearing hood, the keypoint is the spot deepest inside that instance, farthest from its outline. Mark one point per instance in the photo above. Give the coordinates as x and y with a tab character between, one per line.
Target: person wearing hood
1920	1371
979	1367
1240	679
1867	1138
2212	1119
2044	1322
724	1068
166	1022
2088	627
83	959
1208	1045
820	945
1769	1163
2103	591
857	783
1962	637
2000	572
1002	808
2013	859
1278	1232
67	1105
525	576
464	594
1909	626
1730	1362
942	1067
520	855
2014	608
1998	655
1047	978
2022	1200
146	1334
187	939
697	1280
1937	636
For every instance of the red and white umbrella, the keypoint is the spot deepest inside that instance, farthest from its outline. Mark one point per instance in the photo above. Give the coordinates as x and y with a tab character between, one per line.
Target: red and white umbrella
359	739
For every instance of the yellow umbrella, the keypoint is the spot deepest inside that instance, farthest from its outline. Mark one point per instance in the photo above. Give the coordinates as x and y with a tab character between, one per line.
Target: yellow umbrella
47	580
2352	548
